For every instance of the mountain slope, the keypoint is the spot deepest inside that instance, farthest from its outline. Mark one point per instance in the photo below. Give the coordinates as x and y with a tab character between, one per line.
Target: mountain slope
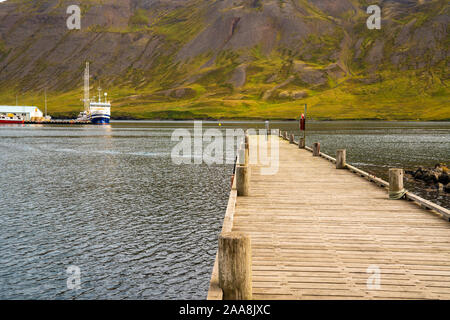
231	59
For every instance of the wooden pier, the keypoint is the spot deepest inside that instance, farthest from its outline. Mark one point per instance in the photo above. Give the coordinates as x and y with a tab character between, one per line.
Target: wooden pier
313	231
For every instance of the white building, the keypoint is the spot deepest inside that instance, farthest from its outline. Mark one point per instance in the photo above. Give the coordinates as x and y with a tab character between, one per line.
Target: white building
27	112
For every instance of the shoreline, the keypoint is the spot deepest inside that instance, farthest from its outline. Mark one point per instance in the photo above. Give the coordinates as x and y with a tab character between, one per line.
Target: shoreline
259	119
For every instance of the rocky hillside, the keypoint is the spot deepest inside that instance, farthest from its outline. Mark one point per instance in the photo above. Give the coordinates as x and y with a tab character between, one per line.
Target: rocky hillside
231	58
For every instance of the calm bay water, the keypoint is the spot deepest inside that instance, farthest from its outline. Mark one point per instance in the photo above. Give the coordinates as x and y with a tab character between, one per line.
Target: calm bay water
110	201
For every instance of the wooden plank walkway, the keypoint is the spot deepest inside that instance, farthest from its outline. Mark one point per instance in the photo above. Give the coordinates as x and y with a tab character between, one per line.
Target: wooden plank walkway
316	230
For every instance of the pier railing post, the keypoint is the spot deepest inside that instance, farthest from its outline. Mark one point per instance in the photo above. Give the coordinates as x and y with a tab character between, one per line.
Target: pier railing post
241	155
242	180
235	266
247	154
341	159
301	143
291	138
396	189
247	149
285	135
316	149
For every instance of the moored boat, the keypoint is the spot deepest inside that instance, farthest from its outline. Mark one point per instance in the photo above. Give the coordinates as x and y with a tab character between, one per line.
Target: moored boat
100	112
11	119
97	112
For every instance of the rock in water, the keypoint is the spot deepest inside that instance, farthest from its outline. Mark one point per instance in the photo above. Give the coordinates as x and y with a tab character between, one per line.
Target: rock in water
447	188
438	176
444	178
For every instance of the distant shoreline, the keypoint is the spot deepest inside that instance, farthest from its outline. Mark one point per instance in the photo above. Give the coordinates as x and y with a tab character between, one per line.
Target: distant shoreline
261	119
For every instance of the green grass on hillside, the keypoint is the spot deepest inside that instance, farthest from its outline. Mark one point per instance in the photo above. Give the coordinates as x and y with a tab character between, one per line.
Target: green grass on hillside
405	97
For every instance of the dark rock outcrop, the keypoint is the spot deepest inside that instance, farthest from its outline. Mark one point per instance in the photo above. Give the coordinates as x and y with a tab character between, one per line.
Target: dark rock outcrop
435	176
447	188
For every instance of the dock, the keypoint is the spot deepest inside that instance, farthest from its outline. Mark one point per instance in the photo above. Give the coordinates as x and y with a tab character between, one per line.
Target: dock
313	231
60	122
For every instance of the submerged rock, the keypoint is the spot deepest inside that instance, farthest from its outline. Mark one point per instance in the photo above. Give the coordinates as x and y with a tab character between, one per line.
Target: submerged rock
444	178
437	176
447	188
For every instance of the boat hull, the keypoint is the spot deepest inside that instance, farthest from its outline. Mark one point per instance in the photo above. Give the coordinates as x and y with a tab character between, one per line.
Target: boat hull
12	121
100	120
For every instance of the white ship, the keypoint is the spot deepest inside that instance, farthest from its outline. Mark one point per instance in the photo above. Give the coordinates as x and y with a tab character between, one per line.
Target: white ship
97	112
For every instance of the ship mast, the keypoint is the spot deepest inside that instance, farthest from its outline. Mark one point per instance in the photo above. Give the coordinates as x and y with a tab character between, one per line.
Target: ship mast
86	88
46	102
99	94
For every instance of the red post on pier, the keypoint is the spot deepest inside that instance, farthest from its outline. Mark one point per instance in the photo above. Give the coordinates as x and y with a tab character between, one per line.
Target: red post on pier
302	123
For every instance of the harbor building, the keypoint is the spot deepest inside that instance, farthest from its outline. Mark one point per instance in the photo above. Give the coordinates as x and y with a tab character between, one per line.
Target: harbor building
28	113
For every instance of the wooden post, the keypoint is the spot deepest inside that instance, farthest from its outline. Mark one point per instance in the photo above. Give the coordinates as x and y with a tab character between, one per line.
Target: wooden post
316	149
341	159
247	153
396	189
242	180
291	139
241	155
301	143
235	266
395	179
285	135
